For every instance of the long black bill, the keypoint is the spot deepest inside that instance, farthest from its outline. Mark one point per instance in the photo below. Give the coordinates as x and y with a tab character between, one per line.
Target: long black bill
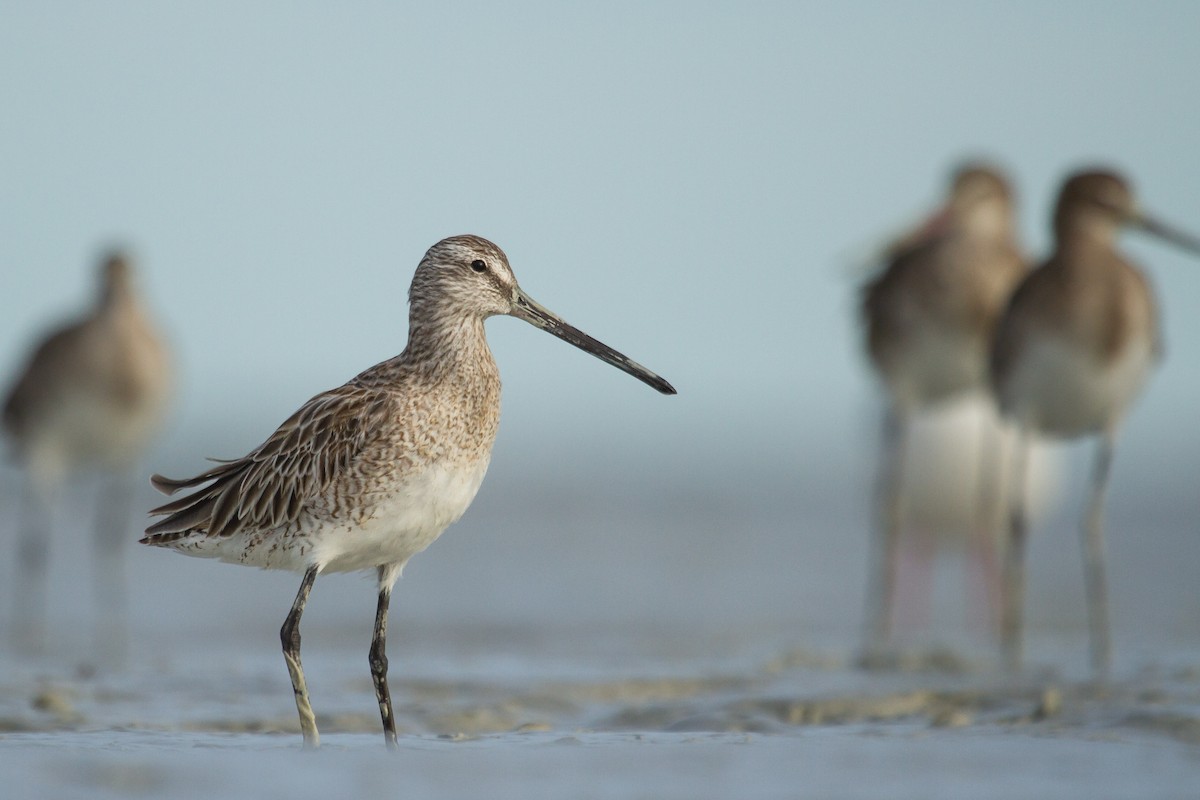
1167	233
525	308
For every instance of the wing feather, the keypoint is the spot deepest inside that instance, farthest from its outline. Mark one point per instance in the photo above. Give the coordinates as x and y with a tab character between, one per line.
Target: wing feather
270	487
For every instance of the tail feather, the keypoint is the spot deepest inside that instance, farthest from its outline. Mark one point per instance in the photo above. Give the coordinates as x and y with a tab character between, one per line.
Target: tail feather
167	486
200	511
182	522
162	539
170	486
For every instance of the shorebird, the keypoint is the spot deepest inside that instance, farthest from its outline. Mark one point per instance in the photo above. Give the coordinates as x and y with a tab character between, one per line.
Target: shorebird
1072	351
93	394
929	318
367	475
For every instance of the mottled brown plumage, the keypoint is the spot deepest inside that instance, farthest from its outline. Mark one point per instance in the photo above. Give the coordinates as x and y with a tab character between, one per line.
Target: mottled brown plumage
274	484
369	474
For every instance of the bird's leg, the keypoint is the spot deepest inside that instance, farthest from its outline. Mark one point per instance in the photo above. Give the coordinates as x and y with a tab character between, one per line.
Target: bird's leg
379	666
989	519
33	555
881	586
1011	620
912	588
289	634
112	525
1095	583
378	657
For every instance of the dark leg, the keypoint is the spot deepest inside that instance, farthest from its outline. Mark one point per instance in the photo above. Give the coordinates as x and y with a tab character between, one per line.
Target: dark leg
379	666
1012	613
881	586
1093	561
289	634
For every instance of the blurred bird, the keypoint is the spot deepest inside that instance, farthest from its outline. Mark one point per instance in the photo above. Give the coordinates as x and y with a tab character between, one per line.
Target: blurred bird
929	318
1072	351
365	476
93	394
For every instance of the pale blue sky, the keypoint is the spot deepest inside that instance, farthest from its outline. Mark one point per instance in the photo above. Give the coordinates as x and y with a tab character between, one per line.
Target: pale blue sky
684	181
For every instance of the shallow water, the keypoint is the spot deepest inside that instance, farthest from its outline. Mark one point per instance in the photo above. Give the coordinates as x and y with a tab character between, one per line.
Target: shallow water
220	722
646	642
844	762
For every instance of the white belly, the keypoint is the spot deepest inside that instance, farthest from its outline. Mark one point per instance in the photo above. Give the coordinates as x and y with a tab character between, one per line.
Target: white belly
385	530
404	523
944	466
1057	391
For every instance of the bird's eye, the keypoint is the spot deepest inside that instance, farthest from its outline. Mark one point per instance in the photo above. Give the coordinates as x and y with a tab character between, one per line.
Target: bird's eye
478	265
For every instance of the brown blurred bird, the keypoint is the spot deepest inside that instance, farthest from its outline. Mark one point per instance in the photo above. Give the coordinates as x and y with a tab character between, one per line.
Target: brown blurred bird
93	395
929	318
1072	351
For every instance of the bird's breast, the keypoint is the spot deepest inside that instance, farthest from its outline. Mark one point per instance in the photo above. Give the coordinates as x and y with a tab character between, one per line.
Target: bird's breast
394	523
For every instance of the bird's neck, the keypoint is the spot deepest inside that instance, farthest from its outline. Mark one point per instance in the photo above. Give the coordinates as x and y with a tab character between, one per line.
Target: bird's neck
1087	249
119	307
991	222
449	345
116	296
1086	229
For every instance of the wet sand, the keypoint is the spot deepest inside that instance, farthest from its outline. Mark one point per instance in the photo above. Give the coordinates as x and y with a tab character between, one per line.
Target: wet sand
584	649
220	722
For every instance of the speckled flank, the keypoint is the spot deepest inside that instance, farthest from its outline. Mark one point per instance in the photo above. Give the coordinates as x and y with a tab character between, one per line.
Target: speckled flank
366	475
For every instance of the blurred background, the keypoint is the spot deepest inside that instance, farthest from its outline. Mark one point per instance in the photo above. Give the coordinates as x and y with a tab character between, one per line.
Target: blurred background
696	185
